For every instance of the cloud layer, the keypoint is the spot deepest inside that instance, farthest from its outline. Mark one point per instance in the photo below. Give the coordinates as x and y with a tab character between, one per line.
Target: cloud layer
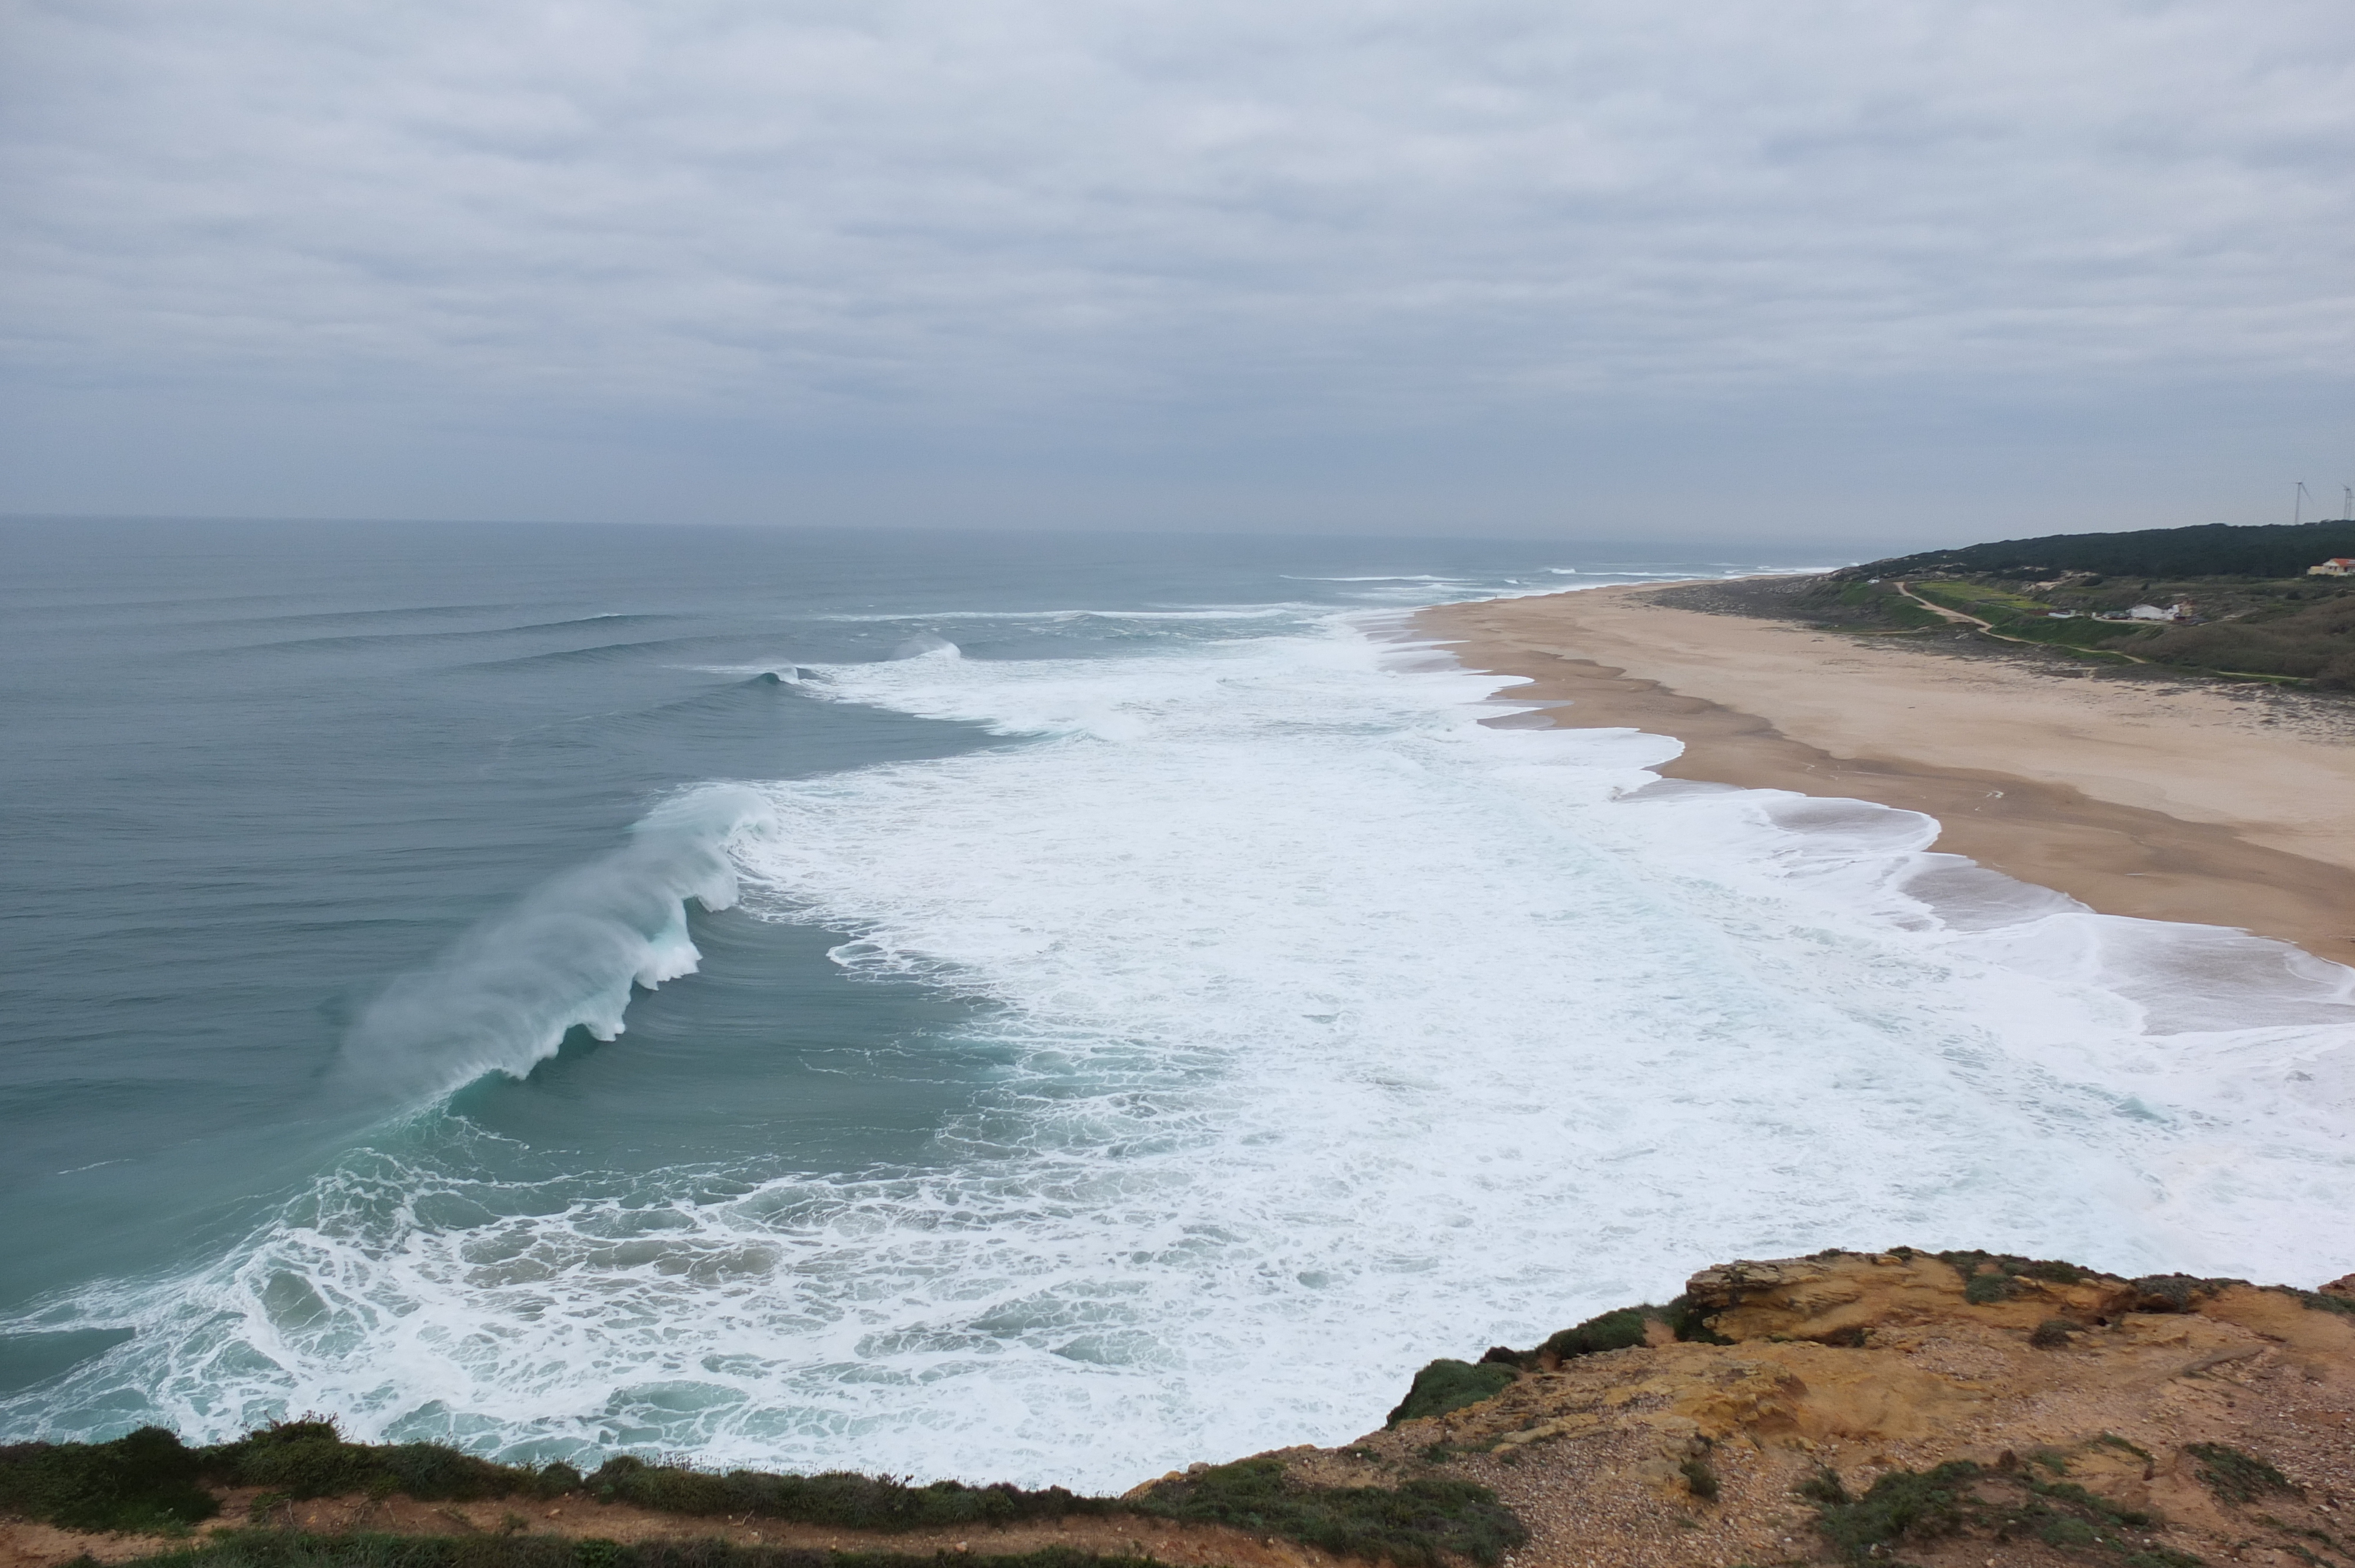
1552	244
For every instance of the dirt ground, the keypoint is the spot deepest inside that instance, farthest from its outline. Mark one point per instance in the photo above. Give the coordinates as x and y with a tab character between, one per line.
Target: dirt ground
25	1545
1688	1454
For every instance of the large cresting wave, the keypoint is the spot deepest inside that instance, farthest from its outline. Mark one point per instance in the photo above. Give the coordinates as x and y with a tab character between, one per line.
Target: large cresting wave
1339	1030
567	956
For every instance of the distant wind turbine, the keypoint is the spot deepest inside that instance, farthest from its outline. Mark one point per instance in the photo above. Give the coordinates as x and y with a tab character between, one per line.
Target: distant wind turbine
2297	500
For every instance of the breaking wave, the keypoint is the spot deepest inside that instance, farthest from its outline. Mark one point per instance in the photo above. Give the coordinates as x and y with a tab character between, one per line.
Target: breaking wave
567	956
1336	1029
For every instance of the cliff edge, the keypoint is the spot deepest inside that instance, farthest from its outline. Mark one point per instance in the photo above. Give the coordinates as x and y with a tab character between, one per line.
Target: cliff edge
1936	1409
1940	1410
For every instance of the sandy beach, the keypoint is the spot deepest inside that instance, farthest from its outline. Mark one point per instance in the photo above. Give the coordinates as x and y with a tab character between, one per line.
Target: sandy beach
2164	799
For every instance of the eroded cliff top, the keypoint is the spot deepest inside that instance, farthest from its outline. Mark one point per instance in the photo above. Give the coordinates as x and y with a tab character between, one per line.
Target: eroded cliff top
1904	1406
1942	1410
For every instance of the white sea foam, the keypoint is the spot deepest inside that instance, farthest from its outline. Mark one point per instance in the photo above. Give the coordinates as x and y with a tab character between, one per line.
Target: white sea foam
1181	613
1343	1031
566	956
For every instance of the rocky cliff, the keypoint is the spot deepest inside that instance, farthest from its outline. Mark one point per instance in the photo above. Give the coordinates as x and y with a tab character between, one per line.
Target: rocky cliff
1948	1410
1936	1409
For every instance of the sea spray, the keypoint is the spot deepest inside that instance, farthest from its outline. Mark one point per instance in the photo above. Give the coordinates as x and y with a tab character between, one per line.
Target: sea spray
1331	1029
566	956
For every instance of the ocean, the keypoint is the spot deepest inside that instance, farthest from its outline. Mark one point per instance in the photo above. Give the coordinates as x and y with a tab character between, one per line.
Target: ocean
1030	1006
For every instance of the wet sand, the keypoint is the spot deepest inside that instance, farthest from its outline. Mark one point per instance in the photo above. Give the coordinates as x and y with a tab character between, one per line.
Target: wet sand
2162	799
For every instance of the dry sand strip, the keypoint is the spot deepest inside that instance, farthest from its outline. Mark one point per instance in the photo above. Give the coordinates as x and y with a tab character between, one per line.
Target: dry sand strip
2165	800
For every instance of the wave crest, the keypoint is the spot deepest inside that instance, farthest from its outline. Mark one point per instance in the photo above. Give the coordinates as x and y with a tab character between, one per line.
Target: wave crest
567	955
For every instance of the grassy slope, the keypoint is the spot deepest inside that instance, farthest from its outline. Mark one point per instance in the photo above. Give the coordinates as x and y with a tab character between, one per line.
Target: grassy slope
149	1482
2294	629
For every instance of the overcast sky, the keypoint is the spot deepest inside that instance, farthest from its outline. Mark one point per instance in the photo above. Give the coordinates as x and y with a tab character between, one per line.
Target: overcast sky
1870	270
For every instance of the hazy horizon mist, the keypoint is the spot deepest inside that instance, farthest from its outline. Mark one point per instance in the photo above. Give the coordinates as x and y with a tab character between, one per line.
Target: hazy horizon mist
1499	271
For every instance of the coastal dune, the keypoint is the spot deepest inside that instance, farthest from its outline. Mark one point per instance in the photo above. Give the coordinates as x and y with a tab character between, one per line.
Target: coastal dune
2159	798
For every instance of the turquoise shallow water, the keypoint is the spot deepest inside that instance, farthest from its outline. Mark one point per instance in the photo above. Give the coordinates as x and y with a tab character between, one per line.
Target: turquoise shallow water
258	771
1038	1006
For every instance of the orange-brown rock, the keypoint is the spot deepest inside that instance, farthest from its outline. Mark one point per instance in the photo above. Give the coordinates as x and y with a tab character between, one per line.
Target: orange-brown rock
2188	1420
1870	1364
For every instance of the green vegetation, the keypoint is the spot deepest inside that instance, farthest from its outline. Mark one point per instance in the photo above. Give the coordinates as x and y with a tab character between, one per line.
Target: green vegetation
1984	1289
309	1458
2236	1477
1446	1386
2253	613
2176	1292
1878	605
287	1549
1620	1331
150	1482
1410	1524
841	1499
1992	1277
1702	1476
2321	1301
1900	1504
1961	1496
2211	550
2125	1446
145	1482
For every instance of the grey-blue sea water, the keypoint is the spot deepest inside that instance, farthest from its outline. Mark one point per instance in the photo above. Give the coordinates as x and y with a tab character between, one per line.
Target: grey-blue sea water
1033	1007
256	773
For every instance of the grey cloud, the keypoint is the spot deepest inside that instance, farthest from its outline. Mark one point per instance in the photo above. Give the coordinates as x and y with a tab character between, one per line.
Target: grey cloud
924	223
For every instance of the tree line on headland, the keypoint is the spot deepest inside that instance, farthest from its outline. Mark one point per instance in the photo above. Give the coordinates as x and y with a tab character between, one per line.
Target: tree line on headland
2208	550
2235	601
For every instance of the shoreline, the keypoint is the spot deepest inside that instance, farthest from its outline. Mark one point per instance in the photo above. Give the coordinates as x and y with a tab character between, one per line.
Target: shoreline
2182	804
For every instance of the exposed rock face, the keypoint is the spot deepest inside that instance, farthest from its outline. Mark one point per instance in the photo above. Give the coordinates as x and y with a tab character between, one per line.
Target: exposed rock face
1946	1411
2086	1419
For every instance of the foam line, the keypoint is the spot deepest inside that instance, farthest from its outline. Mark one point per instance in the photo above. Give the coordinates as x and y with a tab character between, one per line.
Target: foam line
1339	1031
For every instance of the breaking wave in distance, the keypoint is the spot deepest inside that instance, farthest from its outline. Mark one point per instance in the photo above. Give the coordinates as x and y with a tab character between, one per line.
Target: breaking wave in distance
1335	1030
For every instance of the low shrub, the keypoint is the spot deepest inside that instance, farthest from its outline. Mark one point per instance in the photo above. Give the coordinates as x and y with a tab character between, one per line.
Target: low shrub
1985	1289
2005	1505
837	1497
1446	1386
1902	1503
1619	1330
2176	1292
1992	1277
2234	1476
288	1549
309	1458
1824	1487
149	1482
1411	1524
145	1482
